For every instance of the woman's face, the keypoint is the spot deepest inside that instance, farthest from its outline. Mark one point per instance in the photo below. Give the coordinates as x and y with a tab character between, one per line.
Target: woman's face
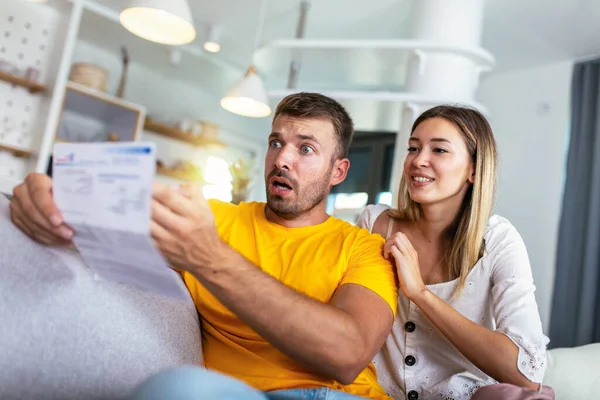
438	167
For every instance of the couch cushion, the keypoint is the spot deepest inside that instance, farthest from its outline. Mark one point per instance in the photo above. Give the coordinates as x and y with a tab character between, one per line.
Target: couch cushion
66	335
574	373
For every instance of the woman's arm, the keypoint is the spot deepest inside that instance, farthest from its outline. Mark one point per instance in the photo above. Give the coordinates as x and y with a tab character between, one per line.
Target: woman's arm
503	354
492	352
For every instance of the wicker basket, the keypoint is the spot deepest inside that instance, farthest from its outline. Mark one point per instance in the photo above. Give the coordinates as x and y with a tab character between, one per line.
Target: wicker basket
90	75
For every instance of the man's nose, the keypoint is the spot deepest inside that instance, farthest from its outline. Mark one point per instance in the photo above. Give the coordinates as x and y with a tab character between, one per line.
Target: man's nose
285	158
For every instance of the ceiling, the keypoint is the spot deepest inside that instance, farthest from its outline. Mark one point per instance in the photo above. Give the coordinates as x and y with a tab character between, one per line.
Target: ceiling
525	33
519	33
238	22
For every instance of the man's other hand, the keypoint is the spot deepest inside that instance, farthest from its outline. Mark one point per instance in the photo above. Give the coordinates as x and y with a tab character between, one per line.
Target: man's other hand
33	210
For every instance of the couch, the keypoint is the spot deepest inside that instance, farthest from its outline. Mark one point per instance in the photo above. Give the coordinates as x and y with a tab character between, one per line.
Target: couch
574	373
65	335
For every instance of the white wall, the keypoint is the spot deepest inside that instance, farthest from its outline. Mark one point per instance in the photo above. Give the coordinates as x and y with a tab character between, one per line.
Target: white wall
530	115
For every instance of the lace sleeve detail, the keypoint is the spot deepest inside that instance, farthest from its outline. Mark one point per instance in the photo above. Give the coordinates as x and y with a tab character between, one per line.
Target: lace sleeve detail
514	305
532	359
461	386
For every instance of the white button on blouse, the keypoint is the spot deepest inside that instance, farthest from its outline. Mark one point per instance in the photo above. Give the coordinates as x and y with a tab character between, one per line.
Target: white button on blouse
418	362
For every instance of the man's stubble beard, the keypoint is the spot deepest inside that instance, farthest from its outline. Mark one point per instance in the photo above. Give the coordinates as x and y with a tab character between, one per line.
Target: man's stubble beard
305	199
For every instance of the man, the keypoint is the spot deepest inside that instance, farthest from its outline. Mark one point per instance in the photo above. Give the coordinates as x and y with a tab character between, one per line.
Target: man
290	298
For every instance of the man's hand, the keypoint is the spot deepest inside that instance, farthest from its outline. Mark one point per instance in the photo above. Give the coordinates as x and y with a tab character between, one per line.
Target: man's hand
32	210
183	229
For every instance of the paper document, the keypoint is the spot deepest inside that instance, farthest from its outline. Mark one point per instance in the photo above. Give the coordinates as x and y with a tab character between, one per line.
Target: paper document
103	191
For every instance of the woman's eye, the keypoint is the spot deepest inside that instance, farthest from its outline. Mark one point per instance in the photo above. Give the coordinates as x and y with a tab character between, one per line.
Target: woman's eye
307	149
440	150
412	149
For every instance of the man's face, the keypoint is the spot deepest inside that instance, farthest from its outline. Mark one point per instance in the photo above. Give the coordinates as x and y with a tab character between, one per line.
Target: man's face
301	165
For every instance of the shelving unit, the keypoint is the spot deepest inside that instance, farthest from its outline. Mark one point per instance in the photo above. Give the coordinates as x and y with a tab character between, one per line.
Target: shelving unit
35	37
389	49
16	151
178	134
88	115
176	174
377	66
32	87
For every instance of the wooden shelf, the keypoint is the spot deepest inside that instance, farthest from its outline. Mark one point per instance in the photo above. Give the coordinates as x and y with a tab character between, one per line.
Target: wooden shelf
33	87
178	134
103	96
15	151
177	174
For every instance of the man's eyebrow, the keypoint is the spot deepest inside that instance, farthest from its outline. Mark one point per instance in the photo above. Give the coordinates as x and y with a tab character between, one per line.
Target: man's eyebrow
277	135
308	137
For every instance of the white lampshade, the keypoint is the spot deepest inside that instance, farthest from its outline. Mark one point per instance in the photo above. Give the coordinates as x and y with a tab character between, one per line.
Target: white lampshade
211	43
249	97
212	47
161	21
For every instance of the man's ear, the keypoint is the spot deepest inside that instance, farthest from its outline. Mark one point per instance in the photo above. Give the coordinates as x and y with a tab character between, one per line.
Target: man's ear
339	171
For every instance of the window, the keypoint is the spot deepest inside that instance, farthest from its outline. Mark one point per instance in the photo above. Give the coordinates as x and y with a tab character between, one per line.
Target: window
368	182
217	178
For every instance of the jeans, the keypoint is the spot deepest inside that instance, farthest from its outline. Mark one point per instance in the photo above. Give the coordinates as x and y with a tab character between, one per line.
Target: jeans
195	383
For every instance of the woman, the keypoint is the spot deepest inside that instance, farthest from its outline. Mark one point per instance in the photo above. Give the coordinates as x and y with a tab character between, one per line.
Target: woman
467	315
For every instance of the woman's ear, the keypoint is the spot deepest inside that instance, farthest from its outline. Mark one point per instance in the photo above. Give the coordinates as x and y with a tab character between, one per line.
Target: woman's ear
471	178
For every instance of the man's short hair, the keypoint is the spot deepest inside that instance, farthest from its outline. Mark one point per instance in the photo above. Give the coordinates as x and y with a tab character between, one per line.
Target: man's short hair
315	105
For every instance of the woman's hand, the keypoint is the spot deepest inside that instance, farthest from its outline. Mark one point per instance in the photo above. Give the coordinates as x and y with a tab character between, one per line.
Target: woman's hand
407	263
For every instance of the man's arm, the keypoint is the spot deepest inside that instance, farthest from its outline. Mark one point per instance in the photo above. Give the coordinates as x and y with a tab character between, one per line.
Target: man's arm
336	340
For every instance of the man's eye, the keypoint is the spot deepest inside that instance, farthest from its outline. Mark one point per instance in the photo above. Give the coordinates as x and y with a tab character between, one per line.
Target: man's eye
275	143
307	149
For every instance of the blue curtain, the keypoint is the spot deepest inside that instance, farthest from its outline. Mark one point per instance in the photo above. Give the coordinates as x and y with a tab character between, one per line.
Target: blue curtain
575	318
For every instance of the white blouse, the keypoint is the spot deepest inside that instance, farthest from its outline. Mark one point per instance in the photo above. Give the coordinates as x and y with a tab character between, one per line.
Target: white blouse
417	362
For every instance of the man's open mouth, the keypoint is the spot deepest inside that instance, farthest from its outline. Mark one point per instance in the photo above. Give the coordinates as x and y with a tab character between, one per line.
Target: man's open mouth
282	185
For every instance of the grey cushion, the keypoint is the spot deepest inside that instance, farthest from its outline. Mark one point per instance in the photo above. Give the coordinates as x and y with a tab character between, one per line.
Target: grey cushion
65	335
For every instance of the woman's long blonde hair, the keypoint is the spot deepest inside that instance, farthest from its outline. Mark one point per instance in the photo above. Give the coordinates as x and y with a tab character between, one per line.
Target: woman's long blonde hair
463	240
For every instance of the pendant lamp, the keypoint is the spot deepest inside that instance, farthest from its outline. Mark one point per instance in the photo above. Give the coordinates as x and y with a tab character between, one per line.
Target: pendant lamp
249	97
161	21
211	44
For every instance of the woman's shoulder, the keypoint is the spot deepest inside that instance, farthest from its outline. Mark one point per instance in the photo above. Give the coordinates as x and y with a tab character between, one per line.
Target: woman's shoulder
370	214
500	231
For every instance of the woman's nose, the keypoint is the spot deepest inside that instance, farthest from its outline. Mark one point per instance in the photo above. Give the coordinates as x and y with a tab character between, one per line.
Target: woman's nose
421	159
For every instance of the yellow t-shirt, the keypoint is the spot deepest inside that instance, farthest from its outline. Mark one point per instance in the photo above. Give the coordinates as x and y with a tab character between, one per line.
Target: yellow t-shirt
315	261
